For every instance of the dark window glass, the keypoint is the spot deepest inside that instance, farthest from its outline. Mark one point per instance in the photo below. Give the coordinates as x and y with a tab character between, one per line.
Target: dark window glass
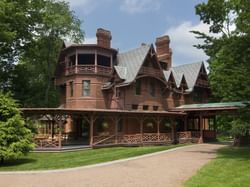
71	86
155	108
72	60
86	59
103	60
134	107
138	87
197	96
117	92
152	88
145	107
120	125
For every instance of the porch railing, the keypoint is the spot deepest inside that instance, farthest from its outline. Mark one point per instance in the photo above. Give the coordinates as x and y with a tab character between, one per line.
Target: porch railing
154	138
46	142
209	134
133	138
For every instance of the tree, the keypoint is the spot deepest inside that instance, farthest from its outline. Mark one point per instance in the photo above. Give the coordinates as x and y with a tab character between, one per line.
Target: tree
15	137
31	37
18	20
228	48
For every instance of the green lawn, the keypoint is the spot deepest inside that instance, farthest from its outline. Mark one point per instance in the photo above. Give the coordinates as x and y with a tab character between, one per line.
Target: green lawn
231	168
46	161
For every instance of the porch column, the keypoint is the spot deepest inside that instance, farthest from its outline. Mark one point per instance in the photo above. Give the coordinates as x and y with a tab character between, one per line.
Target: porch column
91	122
185	124
60	132
173	131
215	127
52	129
141	130
158	129
116	129
201	129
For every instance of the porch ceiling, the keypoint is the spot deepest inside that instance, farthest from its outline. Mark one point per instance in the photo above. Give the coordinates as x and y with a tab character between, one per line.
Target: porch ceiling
69	111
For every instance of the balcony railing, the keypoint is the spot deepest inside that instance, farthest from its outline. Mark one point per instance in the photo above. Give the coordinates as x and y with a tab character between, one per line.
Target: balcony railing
88	69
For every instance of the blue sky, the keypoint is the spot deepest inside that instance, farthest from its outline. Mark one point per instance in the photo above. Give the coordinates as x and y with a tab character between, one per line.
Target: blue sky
133	22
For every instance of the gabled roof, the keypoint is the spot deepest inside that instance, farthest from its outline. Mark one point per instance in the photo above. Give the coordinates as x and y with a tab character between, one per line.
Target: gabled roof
121	71
178	77
190	71
167	74
129	63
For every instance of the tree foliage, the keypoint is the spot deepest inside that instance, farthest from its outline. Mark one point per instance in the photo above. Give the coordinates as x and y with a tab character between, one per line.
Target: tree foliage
31	35
228	48
15	137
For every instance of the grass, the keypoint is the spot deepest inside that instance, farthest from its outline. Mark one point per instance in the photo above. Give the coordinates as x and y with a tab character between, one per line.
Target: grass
224	138
231	168
47	161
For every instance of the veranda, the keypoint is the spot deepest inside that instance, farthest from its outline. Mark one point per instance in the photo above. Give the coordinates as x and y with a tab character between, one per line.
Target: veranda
68	128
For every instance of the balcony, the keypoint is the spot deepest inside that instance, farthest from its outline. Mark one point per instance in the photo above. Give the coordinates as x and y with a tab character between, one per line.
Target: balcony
150	71
88	69
202	83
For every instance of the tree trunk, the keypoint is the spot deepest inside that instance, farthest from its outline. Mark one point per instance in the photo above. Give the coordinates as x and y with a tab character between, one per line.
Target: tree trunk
2	160
48	73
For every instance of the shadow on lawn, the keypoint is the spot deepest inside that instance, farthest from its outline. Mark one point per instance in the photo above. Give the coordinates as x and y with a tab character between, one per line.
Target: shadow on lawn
21	161
239	153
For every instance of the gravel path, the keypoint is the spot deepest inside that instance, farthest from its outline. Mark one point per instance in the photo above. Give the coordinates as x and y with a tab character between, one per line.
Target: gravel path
169	168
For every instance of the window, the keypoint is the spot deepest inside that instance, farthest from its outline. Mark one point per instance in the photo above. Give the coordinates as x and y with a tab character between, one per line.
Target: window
197	96
164	65
103	60
155	108
145	107
86	59
117	92
134	107
71	86
85	87
177	96
152	88
72	60
138	87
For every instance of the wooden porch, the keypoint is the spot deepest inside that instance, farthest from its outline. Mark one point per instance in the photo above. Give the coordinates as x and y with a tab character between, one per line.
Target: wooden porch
154	138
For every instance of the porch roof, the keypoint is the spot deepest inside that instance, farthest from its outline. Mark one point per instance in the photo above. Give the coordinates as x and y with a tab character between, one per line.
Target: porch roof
68	111
212	106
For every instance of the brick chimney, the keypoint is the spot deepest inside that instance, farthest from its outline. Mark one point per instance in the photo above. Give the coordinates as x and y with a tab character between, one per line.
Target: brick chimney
103	38
164	53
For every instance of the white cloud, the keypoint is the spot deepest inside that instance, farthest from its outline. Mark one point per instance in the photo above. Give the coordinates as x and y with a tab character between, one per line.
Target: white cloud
90	40
139	6
182	41
86	6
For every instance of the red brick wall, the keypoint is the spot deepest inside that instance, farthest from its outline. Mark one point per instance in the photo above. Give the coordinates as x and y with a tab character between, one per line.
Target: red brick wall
94	100
129	97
